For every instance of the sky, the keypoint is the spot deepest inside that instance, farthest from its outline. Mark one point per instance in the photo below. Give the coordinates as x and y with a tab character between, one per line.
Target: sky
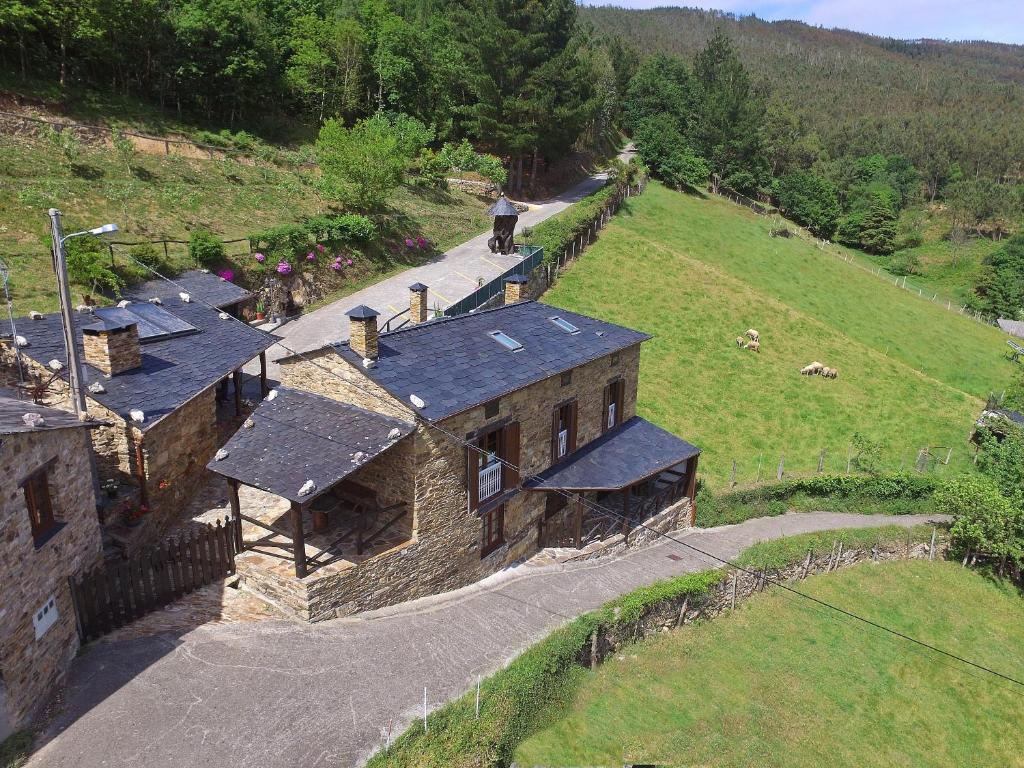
997	20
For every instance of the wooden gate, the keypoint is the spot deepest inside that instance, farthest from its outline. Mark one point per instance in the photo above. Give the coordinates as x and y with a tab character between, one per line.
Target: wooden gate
120	591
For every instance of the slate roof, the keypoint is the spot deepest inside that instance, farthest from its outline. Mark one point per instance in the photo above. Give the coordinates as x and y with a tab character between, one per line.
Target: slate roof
300	436
452	364
173	371
633	451
502	208
204	286
13	410
1012	327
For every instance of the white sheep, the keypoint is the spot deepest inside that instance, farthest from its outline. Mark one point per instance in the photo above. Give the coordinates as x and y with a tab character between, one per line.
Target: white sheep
833	373
754	335
740	341
754	345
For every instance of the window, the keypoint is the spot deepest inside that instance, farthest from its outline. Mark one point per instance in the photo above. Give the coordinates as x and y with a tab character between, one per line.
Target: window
492	533
565	325
614	394
40	508
567	378
491	409
493	466
505	340
563	431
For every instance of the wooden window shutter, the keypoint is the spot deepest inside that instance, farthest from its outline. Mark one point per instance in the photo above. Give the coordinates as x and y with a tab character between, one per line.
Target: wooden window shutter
473	476
554	435
573	421
604	407
510	471
620	398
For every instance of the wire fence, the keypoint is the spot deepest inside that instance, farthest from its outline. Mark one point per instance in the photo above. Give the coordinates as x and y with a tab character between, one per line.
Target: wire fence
827	246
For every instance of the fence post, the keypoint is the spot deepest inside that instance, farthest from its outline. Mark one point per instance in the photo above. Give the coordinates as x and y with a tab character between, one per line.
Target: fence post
759	457
948	454
732	480
735	579
821	461
782	466
931	546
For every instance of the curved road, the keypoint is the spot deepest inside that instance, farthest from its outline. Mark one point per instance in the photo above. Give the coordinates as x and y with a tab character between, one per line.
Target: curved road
280	694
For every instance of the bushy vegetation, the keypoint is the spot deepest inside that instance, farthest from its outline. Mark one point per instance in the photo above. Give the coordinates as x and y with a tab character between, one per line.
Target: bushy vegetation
205	249
15	749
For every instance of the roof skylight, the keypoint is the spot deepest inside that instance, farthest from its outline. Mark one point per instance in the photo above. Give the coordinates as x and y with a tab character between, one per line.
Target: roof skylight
505	340
564	324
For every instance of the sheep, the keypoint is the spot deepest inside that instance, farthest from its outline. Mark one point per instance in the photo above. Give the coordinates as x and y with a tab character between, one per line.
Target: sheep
833	373
754	335
754	345
740	341
813	369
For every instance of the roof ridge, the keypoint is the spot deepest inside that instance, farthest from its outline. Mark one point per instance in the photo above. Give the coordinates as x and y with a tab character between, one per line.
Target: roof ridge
444	319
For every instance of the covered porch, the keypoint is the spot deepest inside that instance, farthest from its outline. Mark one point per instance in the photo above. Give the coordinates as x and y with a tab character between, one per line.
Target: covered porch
613	484
321	487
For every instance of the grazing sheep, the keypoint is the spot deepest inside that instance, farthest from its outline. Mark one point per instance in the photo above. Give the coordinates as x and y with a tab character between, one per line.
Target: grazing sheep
826	372
754	345
807	370
754	335
740	341
833	373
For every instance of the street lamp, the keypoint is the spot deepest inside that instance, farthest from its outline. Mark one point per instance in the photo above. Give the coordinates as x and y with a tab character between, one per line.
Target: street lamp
61	268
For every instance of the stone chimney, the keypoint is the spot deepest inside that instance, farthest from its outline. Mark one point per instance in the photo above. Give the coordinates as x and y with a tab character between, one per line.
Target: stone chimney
362	331
112	347
515	287
417	303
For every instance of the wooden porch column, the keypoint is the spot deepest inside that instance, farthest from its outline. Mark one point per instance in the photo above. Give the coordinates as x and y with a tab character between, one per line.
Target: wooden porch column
625	513
263	375
691	489
236	381
577	501
236	512
298	541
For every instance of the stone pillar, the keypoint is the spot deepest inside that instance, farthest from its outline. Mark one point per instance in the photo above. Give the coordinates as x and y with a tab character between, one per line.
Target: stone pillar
515	288
112	349
362	336
417	303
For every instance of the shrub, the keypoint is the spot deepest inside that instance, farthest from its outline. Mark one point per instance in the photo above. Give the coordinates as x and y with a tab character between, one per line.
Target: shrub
291	242
984	521
905	263
88	264
868	456
205	248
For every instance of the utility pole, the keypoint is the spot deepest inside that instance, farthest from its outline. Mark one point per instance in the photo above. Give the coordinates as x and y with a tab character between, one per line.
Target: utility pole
66	311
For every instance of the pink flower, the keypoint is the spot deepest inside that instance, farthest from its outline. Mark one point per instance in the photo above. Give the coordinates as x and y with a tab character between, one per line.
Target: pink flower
348	262
260	258
284	268
226	274
310	256
409	243
421	242
336	265
320	247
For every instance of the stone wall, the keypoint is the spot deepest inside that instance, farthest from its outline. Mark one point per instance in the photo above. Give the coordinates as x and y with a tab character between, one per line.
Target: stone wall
30	668
444	553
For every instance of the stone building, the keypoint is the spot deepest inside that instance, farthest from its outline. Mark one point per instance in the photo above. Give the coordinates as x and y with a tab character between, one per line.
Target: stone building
510	430
48	532
154	372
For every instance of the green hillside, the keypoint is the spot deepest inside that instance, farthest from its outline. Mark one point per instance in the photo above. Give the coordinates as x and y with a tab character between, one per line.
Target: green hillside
695	273
781	683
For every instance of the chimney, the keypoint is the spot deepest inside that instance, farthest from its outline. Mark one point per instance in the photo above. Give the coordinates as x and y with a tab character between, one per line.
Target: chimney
417	303
362	331
515	286
112	347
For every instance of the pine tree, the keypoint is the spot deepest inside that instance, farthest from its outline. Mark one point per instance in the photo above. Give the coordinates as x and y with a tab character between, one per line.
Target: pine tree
878	227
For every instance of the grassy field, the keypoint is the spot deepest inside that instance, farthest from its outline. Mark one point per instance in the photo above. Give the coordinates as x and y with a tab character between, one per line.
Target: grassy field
780	683
167	197
695	273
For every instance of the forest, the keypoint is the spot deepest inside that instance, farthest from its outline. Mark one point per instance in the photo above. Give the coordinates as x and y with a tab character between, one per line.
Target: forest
847	134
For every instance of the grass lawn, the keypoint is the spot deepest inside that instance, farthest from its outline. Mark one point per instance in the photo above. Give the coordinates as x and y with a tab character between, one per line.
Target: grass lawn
695	273
780	683
167	197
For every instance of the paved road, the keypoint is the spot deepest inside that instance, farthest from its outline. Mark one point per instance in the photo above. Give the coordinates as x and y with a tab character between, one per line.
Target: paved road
450	277
286	695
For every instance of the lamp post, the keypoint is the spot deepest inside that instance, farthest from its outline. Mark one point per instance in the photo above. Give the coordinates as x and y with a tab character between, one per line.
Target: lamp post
66	311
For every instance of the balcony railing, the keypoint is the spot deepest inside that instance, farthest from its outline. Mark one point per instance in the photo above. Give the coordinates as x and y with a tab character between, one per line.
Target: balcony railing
490	480
563	443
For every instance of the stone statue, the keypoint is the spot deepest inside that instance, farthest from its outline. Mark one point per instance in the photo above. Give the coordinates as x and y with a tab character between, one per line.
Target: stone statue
505	218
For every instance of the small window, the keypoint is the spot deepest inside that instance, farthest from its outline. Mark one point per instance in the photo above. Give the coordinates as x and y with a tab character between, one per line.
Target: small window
491	409
505	340
564	324
567	378
40	507
492	534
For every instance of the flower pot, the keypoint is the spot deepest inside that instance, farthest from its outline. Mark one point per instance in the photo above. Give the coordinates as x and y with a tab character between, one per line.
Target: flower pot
260	315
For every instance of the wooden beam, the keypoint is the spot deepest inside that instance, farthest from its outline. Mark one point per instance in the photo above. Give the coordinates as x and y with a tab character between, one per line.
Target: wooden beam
264	390
236	513
691	488
236	380
577	502
298	540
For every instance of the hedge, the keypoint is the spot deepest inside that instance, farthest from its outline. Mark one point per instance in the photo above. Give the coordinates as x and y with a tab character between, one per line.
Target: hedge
537	686
291	242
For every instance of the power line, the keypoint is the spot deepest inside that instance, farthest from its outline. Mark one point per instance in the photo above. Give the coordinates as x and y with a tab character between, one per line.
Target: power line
607	511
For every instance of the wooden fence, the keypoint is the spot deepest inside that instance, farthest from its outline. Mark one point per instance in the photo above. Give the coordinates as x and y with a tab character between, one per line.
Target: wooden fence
118	592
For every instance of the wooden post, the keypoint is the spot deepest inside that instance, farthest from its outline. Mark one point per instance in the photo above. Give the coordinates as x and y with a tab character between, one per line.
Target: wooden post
298	540
593	649
821	461
931	547
682	612
264	390
578	503
735	579
236	512
236	381
625	514
807	565
732	478
782	467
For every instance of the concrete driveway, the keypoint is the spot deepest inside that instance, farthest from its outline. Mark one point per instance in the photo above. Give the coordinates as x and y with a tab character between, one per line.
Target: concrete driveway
278	694
451	276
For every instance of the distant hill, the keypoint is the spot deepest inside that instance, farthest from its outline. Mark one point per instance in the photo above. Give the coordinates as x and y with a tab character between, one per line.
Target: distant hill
932	100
